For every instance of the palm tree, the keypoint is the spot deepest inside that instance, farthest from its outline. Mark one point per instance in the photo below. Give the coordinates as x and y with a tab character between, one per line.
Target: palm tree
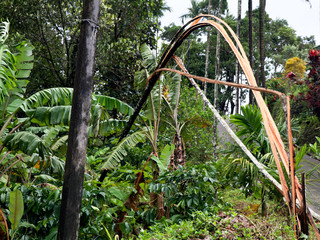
148	128
69	220
250	44
261	42
207	53
195	9
237	75
217	76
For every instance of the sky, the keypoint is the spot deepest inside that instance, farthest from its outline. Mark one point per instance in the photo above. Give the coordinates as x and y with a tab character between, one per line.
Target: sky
302	16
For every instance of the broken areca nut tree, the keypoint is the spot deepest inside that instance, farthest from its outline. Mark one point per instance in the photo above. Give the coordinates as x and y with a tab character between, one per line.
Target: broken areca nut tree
292	191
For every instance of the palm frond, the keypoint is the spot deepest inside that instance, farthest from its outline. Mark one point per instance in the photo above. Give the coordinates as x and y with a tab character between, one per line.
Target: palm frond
48	97
48	116
60	142
106	128
119	152
110	103
4	31
26	142
7	64
24	60
174	91
249	122
148	59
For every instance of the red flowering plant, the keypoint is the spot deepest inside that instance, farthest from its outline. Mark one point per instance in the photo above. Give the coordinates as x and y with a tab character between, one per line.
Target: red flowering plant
314	62
312	96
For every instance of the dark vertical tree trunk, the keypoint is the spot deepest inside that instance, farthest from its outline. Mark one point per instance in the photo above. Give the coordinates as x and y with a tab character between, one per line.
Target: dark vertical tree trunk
216	90
262	81
78	134
237	63
250	44
207	54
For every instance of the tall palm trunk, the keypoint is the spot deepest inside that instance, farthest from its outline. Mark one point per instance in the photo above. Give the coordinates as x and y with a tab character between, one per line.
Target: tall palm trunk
217	77
237	74
261	42
79	124
207	54
250	44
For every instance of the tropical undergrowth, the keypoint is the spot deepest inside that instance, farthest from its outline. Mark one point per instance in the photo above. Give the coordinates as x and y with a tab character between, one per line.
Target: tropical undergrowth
165	163
240	220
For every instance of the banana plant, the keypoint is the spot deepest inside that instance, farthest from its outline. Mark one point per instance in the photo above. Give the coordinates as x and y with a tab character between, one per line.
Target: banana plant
16	210
43	129
146	128
35	129
171	97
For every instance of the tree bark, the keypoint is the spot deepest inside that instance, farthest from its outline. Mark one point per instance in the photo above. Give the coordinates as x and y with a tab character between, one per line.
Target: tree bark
79	124
217	76
250	44
207	54
261	41
237	74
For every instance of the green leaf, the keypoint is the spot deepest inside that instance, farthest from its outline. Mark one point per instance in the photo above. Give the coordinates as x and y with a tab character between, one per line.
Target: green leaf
110	103
16	208
24	60
118	193
26	142
60	142
119	152
27	225
125	227
46	178
148	59
117	202
48	97
164	159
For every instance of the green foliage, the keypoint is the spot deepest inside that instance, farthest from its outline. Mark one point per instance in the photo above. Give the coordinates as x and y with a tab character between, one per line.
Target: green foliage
251	129
164	159
182	230
197	131
222	225
43	118
26	142
188	189
42	207
309	130
315	148
15	208
119	152
240	171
